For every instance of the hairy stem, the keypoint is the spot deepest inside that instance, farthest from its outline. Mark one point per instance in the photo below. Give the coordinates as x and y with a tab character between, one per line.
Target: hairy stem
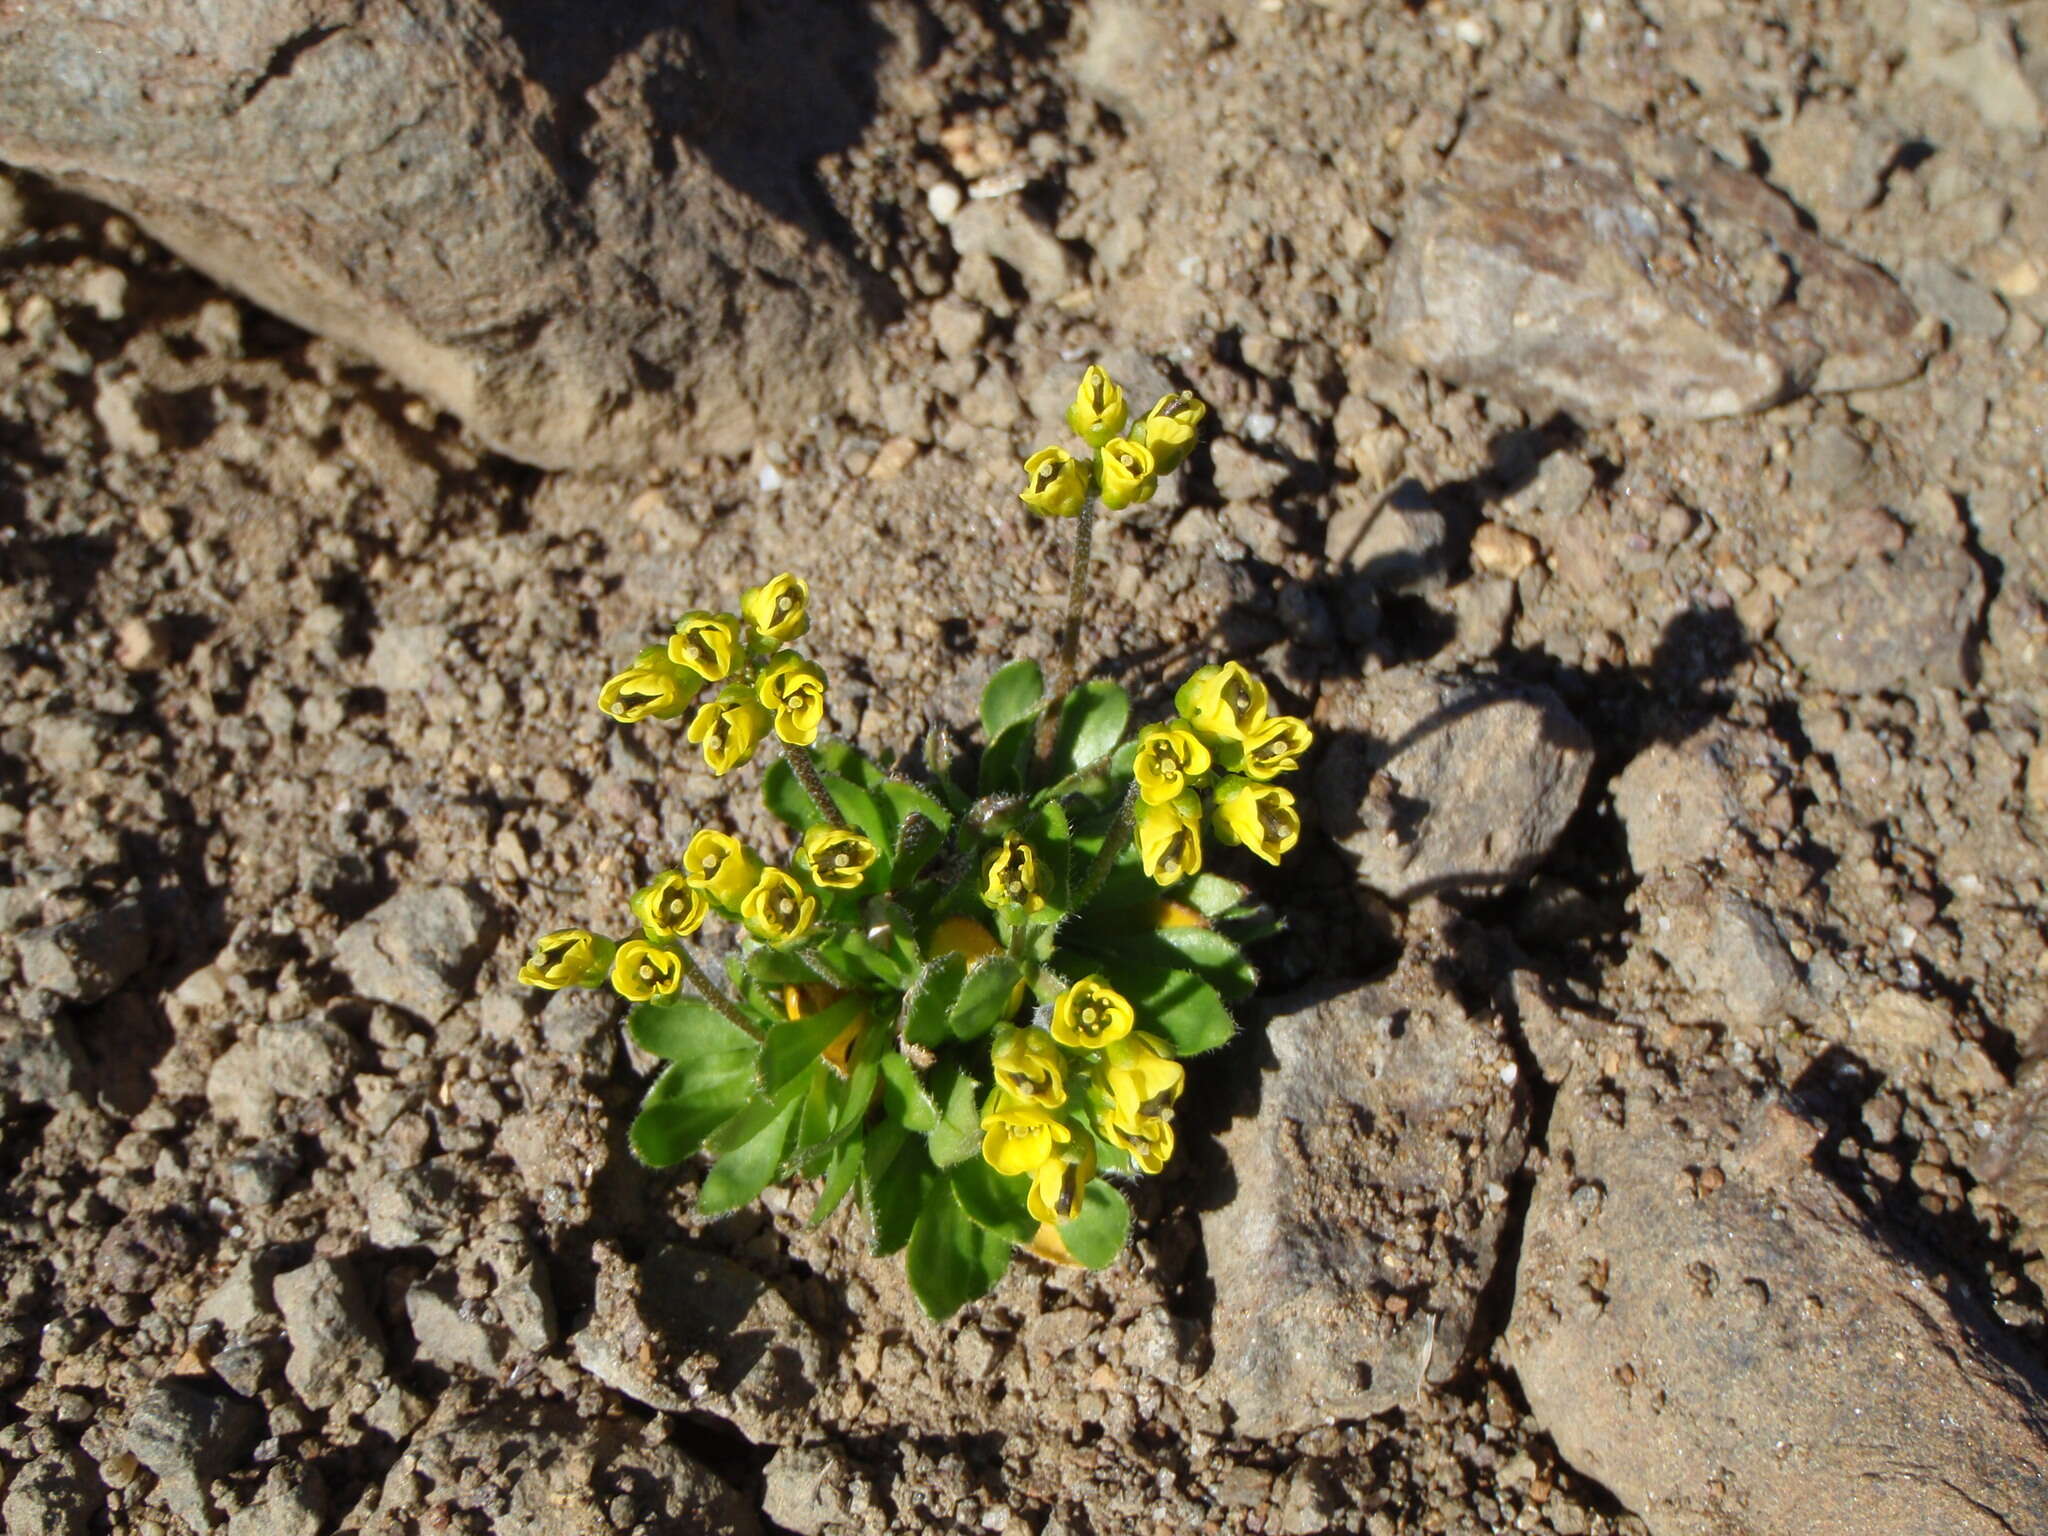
1113	842
1070	632
718	998
806	772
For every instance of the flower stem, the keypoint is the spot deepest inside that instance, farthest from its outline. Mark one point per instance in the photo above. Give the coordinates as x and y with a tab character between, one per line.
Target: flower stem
806	772
1113	842
718	998
1070	632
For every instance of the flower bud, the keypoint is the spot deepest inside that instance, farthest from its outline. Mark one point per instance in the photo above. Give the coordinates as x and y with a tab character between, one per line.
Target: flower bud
779	610
706	643
730	728
1170	429
569	957
1055	483
1170	838
1098	412
1260	816
652	688
1010	876
795	689
1128	473
1059	1184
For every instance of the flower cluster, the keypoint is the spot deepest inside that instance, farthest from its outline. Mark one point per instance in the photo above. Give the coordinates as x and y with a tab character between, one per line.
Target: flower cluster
765	686
719	872
1222	741
1126	466
1090	1077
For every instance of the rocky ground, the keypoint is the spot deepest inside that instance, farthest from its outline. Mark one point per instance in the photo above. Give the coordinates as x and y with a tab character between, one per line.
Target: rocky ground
1645	1128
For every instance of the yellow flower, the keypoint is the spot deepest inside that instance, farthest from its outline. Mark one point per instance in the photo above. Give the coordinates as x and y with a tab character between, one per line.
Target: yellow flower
669	907
1224	703
1148	1138
1090	1014
1170	838
1010	876
1169	755
705	643
962	936
721	866
1098	412
1261	816
1054	483
1169	429
837	859
778	910
1142	1077
1128	473
652	688
1027	1067
641	970
730	728
1058	1184
1274	746
795	689
1017	1137
780	609
569	957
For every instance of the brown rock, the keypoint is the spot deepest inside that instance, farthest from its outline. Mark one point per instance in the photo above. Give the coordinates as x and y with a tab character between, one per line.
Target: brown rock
1712	1329
1574	260
581	235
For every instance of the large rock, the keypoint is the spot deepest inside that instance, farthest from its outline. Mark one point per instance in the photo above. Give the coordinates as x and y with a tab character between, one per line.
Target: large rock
336	1346
1699	798
538	1469
1574	260
684	1330
1894	619
1438	783
588	231
420	950
1371	1188
1715	1331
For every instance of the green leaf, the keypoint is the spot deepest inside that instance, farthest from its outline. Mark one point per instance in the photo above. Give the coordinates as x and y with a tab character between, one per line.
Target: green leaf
984	996
1218	958
894	1175
785	797
1208	954
1096	1236
746	1168
1176	1004
865	816
688	1102
779	968
928	1005
1091	723
879	963
994	1200
905	800
840	1177
957	1136
1211	895
1012	695
952	1260
1007	760
848	762
903	1097
864	1074
684	1030
796	1043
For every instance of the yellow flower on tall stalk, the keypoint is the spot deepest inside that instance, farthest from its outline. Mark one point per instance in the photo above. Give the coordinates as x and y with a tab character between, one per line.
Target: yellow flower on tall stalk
730	728
837	859
1027	1066
1170	838
1148	1138
1275	746
669	907
568	957
1011	877
706	643
1260	816
1090	1014
1017	1137
778	910
795	689
1059	1183
1169	756
1128	473
780	609
642	971
722	867
1055	483
1225	703
1170	429
652	688
1140	1075
1099	410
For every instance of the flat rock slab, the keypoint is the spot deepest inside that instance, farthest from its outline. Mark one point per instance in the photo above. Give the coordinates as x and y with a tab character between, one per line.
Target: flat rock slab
1435	782
1371	1188
1711	1328
1894	619
684	1330
588	236
1573	260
